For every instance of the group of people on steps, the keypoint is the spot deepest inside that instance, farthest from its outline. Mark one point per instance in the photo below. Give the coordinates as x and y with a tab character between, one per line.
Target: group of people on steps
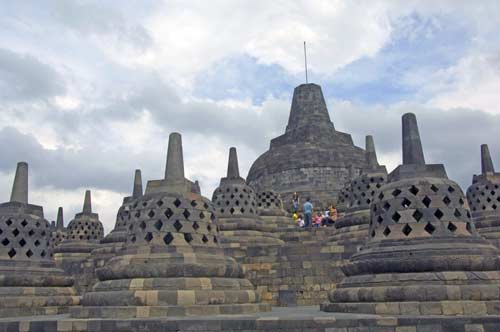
320	219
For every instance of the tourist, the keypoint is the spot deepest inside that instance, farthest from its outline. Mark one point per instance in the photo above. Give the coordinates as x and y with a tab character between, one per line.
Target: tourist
295	216
295	202
308	210
317	219
300	221
326	221
333	213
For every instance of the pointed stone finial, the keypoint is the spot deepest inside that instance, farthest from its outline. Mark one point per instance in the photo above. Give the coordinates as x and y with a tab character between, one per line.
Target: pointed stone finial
308	106
87	203
137	191
371	154
52	225
20	186
412	147
175	160
486	163
60	220
233	170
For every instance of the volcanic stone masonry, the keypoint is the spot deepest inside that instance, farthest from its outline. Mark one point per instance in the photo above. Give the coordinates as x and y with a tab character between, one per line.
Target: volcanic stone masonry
311	158
59	232
484	199
423	255
171	264
30	284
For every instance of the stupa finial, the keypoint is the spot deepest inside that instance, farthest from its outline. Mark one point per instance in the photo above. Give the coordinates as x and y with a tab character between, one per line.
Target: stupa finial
60	220
20	186
137	191
232	166
371	154
175	160
87	203
412	146
486	162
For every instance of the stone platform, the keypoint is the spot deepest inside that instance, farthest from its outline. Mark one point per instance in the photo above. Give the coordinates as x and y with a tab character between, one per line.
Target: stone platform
297	319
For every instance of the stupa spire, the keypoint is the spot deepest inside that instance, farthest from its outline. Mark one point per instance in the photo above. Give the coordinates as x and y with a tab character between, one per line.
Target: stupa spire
60	220
412	146
137	191
87	203
371	154
175	160
308	107
486	162
233	170
20	186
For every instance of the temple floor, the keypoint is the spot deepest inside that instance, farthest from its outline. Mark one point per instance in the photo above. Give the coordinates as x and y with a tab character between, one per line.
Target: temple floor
290	319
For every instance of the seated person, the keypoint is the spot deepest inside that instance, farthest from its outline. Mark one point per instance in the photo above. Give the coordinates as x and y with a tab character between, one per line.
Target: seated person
317	219
300	221
326	221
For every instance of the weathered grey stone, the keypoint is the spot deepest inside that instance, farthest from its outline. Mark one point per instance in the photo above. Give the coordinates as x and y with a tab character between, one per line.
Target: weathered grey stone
20	186
412	147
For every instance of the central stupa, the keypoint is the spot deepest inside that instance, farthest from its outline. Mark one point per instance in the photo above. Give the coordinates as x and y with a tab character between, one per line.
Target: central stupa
311	157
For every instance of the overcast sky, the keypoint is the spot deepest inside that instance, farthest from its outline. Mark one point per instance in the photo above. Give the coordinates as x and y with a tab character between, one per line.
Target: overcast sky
90	90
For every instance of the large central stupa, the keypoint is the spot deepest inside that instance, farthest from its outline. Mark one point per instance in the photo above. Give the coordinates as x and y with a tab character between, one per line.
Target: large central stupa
311	157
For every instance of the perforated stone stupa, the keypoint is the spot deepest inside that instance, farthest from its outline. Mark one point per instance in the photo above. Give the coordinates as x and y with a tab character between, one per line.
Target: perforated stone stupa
29	282
484	199
172	264
84	233
235	206
59	232
311	157
352	227
423	255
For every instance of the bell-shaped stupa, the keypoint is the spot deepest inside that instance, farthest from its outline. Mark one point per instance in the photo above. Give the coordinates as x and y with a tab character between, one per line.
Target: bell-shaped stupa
423	255
58	232
30	284
172	263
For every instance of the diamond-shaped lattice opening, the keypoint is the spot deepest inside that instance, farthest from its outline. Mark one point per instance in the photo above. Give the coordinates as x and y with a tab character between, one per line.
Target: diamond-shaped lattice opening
31	232
202	215
204	239
24	223
451	227
151	214
242	210
142	225
373	233
212	217
15	232
177	225
158	224
133	238
138	214
29	253
22	243
396	217
168	238
396	192
468	227
438	214
5	242
457	213
380	196
148	237
451	189
446	200
427	201
406	203
387	231
12	253
169	213
43	253
407	230
188	237
378	185
216	240
429	228
494	206
1	232
195	225
414	190
37	243
159	203
205	205
177	202
434	188
387	206
186	213
8	222
488	200
37	224
193	203
380	219
231	210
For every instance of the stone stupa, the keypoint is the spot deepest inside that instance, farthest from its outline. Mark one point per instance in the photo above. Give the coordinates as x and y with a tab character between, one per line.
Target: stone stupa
236	209
423	255
30	284
311	158
172	263
352	227
83	235
59	232
484	199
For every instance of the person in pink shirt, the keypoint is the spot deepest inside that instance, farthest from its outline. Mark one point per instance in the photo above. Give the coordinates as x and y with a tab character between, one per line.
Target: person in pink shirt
317	219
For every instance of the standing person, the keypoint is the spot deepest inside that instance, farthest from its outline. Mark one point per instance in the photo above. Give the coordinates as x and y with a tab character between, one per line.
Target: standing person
308	210
295	202
333	213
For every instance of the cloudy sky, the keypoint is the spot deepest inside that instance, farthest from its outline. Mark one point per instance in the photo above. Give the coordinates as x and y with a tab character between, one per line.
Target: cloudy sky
90	90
